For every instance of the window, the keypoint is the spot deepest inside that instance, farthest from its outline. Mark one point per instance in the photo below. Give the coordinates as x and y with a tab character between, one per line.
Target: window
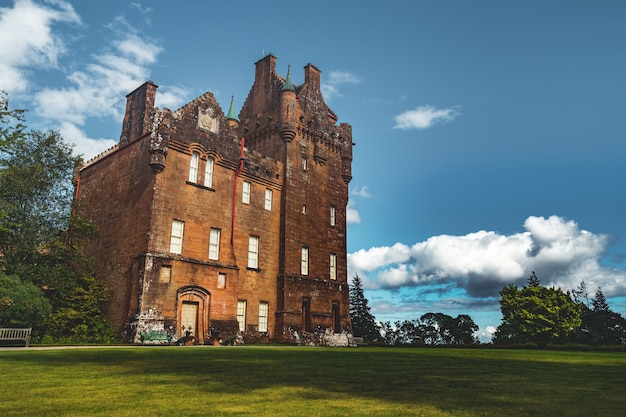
165	275
245	195
333	266
193	167
208	173
268	199
332	215
263	313
176	240
253	252
304	163
214	243
221	280
241	314
304	264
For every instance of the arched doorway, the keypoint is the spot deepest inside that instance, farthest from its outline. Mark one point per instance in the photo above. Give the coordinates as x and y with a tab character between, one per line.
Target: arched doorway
193	313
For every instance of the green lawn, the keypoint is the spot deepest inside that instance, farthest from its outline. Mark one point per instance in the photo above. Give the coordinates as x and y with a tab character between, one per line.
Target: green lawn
292	381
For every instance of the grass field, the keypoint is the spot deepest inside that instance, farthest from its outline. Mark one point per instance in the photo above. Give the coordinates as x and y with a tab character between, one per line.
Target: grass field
291	381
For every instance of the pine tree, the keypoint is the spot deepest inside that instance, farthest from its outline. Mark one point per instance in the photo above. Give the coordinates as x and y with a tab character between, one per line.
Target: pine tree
363	322
533	280
599	302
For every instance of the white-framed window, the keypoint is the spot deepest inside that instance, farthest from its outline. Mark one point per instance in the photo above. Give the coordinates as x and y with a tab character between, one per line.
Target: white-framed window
333	266
245	192
263	313
253	252
268	199
241	314
221	280
214	243
208	172
176	239
193	167
304	261
332	215
304	163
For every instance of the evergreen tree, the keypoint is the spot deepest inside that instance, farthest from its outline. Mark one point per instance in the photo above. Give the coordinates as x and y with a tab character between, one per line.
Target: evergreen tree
533	281
536	314
600	325
599	302
363	322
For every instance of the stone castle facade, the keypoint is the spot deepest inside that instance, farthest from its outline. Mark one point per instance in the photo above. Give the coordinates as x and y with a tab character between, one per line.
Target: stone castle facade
225	227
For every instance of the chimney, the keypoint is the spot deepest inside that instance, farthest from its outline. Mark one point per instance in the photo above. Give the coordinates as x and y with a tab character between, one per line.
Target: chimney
312	76
139	106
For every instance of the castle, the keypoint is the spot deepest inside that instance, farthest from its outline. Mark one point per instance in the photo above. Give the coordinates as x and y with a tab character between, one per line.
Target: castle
219	226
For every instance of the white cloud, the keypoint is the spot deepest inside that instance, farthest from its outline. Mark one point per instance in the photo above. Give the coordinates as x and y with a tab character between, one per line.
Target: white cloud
28	42
83	145
352	214
482	263
330	85
424	117
99	89
362	192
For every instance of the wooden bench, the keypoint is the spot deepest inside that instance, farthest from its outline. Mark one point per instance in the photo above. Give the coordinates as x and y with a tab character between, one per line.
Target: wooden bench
155	336
15	335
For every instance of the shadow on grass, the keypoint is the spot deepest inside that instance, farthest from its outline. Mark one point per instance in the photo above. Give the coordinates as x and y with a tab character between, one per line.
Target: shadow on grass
458	381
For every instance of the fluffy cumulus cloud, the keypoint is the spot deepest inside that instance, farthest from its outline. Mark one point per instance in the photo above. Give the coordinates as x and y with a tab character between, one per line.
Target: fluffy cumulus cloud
424	117
336	79
28	41
481	263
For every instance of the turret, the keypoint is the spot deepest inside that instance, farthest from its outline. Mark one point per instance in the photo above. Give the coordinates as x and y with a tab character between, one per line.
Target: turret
288	109
233	121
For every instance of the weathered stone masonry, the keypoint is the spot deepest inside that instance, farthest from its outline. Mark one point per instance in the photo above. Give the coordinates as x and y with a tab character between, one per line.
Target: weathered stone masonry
179	238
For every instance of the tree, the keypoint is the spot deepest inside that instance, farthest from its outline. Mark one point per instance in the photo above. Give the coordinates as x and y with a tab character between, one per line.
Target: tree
22	304
536	314
581	295
600	325
11	123
533	281
363	322
599	302
463	330
36	190
42	235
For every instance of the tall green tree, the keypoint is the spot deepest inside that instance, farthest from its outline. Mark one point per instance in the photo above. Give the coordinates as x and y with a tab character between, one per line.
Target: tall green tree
536	314
363	322
36	189
42	235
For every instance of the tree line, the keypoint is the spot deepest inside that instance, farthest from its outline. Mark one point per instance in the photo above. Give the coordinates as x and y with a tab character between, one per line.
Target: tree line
429	329
533	314
47	281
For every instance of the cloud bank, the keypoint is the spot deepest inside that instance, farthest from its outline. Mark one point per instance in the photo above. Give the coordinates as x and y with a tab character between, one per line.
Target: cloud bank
481	263
424	117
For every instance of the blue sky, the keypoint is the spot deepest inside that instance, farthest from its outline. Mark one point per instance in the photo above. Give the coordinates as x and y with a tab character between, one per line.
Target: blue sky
490	136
